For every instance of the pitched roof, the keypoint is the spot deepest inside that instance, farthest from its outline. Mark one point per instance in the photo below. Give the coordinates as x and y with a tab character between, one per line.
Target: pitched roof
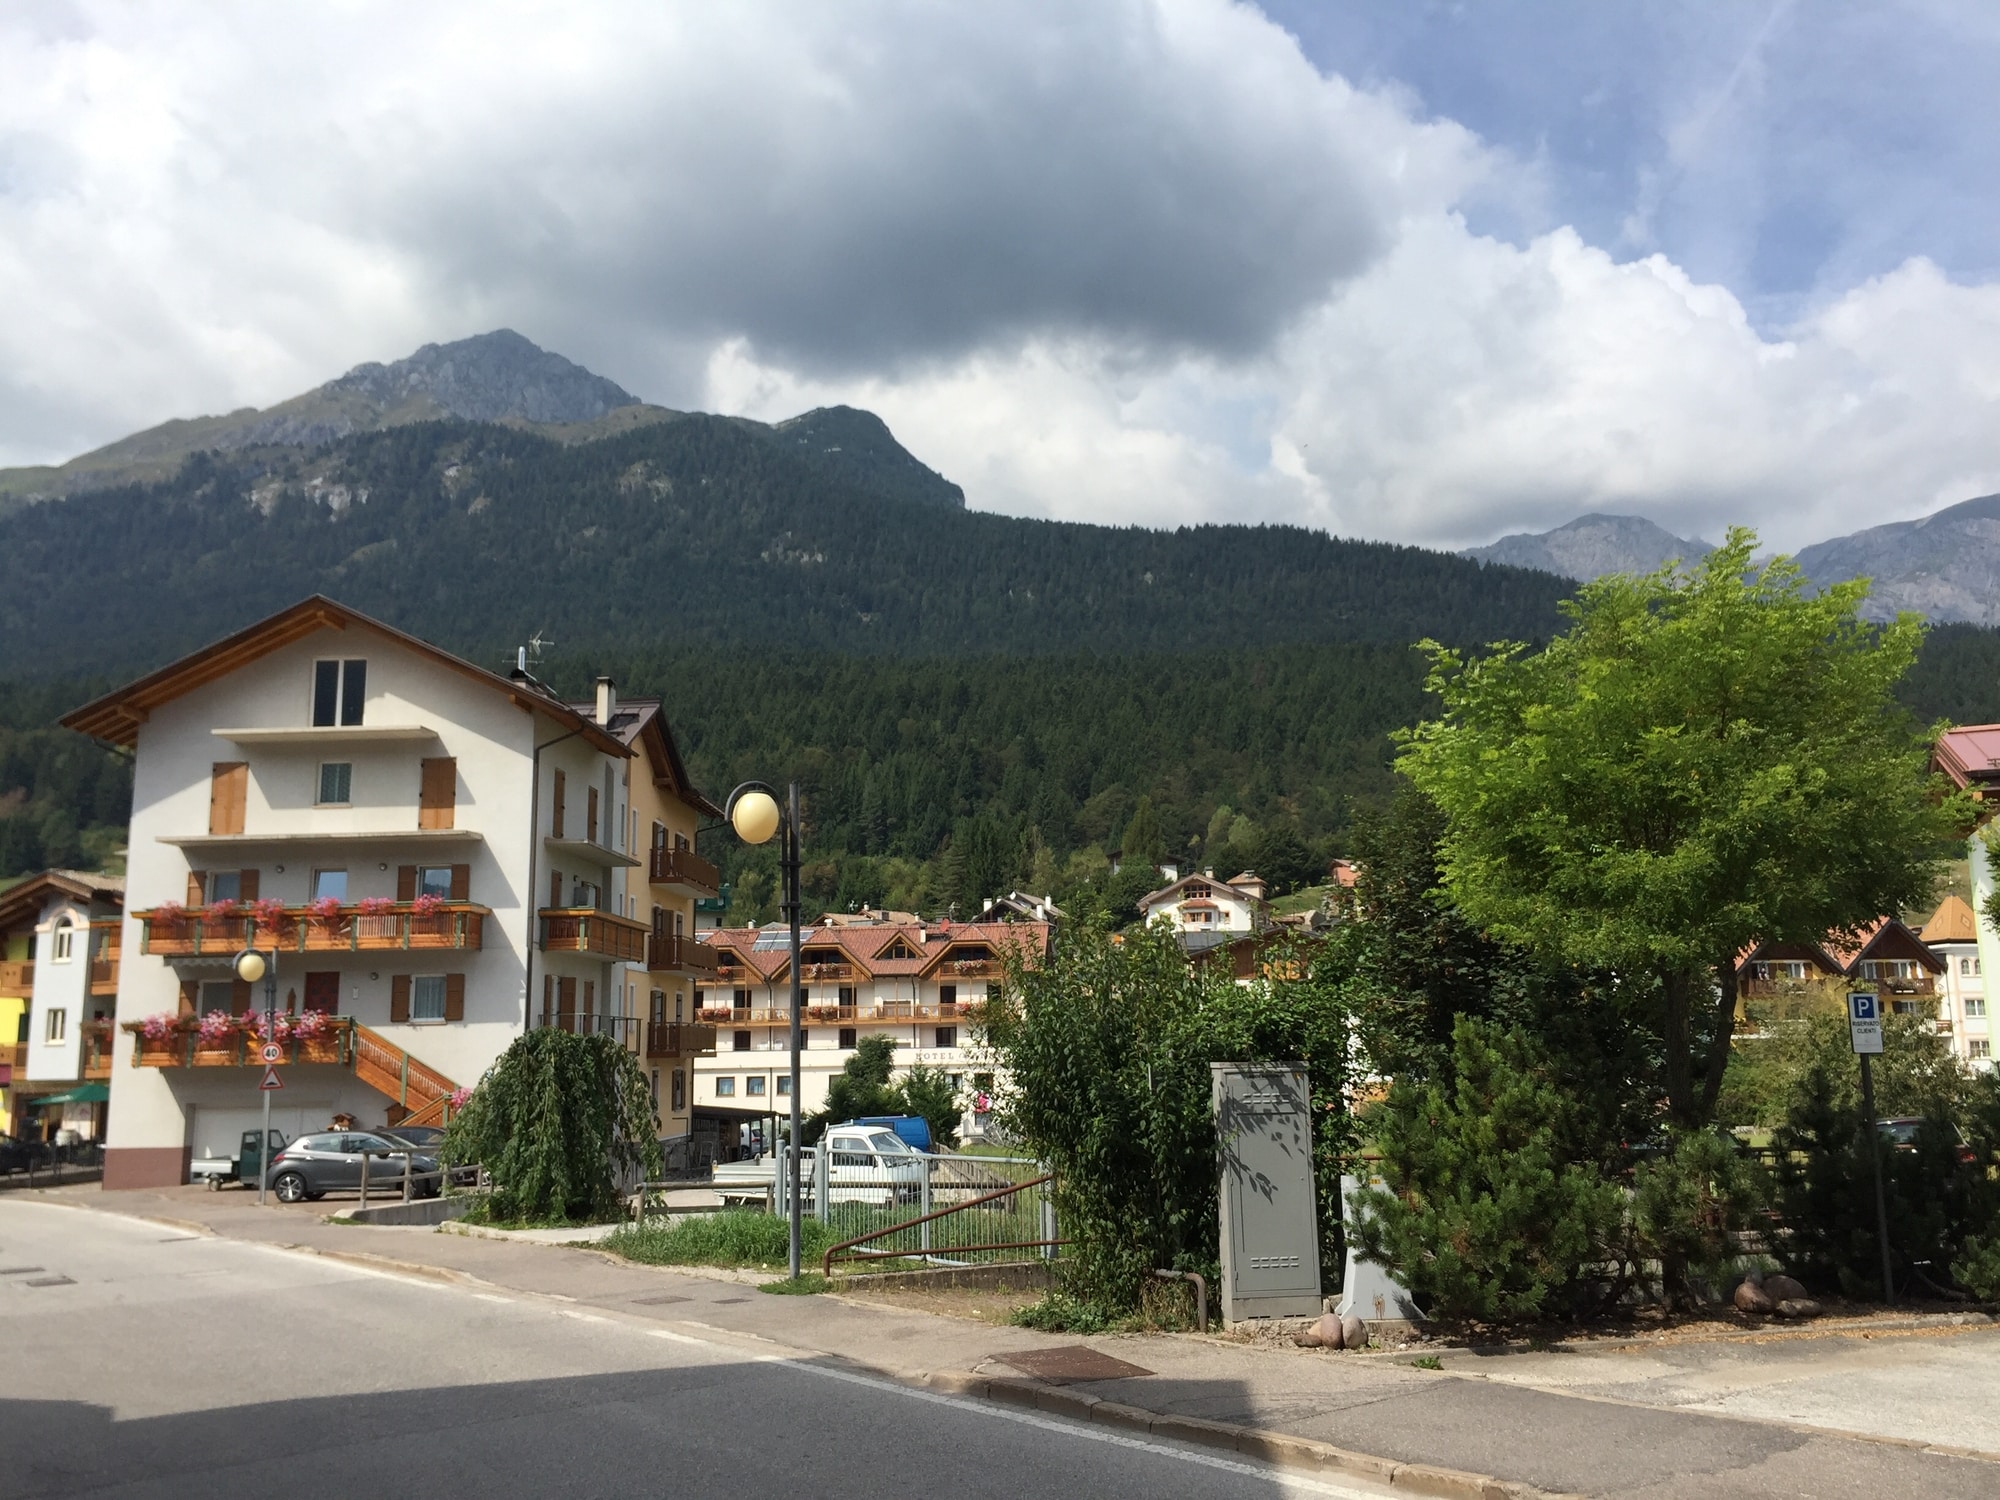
1884	935
766	951
1952	922
116	717
1210	886
1970	755
642	723
27	898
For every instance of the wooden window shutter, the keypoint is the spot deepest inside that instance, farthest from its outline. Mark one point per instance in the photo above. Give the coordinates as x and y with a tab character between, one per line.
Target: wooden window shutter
228	787
589	997
556	807
555	887
246	881
454	997
566	997
461	882
437	797
399	998
239	996
548	997
190	996
590	813
406	882
197	887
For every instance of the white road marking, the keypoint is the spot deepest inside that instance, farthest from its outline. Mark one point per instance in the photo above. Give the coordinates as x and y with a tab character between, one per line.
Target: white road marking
1285	1478
494	1297
682	1338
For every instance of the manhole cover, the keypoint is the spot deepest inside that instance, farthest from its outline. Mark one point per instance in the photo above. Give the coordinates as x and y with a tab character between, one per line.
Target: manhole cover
655	1301
51	1281
1069	1363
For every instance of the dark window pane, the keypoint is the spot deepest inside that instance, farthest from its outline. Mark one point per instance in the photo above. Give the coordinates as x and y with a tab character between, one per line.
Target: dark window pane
353	689
326	692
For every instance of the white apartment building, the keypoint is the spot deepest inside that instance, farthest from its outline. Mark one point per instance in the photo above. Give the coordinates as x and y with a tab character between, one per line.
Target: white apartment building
58	984
1202	904
433	851
922	983
1953	934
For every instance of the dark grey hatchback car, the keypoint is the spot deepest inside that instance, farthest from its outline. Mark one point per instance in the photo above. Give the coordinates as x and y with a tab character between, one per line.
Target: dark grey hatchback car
314	1165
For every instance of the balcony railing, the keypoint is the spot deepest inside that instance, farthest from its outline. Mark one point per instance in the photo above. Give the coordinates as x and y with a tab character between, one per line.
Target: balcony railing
679	1039
887	1012
185	1047
298	929
97	1041
685	870
583	929
1834	985
670	952
104	975
622	1029
17	977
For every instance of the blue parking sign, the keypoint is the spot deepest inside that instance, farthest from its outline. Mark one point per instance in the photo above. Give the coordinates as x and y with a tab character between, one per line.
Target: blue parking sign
1864	1021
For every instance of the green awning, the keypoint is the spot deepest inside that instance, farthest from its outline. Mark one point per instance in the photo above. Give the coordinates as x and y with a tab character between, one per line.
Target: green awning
88	1093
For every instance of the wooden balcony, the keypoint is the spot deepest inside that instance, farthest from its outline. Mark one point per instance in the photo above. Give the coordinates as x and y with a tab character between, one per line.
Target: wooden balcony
677	953
622	1029
884	1013
14	1060
17	977
104	975
582	929
186	1048
97	1041
684	870
679	1039
457	925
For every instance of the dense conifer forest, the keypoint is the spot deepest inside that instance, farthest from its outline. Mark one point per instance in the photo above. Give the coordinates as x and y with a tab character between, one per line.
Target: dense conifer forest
970	701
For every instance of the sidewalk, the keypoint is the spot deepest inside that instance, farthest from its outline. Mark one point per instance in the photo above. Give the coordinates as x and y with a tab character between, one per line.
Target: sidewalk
1554	1422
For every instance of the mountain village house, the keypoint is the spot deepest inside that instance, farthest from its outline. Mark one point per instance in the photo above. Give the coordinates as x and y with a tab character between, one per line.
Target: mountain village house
867	974
59	946
439	856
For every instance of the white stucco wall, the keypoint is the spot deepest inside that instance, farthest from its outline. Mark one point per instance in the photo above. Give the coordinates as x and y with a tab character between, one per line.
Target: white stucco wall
64	986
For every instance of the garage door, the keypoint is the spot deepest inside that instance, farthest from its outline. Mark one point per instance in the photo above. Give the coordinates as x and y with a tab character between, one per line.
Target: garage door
219	1131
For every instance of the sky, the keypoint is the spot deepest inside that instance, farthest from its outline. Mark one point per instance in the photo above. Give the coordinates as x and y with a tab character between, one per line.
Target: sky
1409	270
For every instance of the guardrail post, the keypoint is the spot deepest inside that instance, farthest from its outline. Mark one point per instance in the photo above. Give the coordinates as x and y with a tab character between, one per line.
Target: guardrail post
822	1183
406	1177
364	1179
924	1206
1048	1220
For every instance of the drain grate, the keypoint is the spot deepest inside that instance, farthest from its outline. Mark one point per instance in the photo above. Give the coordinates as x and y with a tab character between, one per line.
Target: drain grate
656	1301
1070	1363
50	1281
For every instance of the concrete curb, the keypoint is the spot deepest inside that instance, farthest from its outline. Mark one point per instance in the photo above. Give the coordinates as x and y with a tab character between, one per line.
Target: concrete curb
1279	1449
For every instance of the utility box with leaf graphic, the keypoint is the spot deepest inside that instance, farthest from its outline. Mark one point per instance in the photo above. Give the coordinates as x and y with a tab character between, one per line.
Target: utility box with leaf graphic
1270	1224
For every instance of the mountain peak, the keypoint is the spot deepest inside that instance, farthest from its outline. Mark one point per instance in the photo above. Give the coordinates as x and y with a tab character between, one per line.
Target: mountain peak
1592	546
491	377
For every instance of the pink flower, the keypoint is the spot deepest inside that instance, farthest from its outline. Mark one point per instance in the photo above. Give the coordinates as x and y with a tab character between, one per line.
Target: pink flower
216	1025
374	906
427	905
459	1096
158	1027
223	910
169	911
326	908
269	911
309	1024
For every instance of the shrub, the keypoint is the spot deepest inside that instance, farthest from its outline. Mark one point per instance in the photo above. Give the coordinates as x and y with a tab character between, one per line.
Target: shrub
736	1237
1107	1045
559	1121
1487	1214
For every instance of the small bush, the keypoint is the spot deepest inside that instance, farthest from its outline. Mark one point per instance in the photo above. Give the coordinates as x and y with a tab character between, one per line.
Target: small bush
1061	1313
738	1237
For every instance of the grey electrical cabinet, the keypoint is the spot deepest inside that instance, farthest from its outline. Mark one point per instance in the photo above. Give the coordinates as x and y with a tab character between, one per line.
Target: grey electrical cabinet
1270	1226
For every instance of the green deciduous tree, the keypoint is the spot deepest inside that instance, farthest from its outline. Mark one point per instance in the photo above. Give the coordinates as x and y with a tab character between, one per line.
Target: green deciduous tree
1704	759
559	1122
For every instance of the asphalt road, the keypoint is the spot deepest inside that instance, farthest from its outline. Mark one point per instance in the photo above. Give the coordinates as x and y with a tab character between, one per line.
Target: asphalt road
136	1360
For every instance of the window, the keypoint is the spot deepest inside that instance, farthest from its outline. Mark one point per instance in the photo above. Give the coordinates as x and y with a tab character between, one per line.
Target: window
338	690
656	1088
1975	1007
329	883
753	1086
1969	967
680	1089
427	997
785	1088
947	1036
739	1041
846	998
434	880
742	1001
992	993
1979	1049
225	885
847	1038
218	994
336	781
657	1006
65	941
725	1088
58	1026
948	996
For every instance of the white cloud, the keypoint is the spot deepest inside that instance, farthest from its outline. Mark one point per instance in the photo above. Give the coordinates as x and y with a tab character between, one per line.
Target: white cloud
1133	262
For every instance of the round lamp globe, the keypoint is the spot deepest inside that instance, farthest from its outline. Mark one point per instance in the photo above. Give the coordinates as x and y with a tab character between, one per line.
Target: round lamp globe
250	966
755	817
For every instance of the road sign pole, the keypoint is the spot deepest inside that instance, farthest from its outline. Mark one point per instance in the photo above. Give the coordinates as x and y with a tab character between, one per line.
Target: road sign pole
270	1035
1864	1034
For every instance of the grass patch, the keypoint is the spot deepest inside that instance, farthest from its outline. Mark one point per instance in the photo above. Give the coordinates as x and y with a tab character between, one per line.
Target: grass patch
1427	1362
481	1213
807	1284
737	1237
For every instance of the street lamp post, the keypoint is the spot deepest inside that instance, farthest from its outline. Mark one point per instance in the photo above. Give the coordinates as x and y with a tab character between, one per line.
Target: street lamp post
754	812
251	966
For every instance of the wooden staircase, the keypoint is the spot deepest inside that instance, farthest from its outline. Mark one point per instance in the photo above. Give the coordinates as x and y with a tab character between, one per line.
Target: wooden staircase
421	1093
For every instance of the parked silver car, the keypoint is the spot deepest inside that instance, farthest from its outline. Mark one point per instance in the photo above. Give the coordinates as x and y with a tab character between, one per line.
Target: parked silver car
314	1165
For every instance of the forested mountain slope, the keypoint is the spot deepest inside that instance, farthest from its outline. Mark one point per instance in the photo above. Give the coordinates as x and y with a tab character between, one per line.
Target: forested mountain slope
696	531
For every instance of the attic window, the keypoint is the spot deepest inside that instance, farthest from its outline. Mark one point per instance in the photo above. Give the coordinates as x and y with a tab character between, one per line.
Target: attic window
339	689
899	951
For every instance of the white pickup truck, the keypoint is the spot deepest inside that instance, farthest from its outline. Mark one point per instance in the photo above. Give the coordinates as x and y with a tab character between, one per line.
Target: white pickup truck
865	1164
